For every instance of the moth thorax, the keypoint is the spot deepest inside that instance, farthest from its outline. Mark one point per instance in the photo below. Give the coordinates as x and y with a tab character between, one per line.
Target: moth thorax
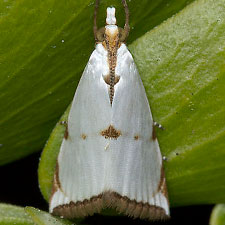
111	33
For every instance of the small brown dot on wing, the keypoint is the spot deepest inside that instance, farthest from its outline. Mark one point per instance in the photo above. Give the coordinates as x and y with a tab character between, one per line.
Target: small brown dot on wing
136	137
83	136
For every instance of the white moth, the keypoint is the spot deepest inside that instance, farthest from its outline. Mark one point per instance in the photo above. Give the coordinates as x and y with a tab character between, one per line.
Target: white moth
110	156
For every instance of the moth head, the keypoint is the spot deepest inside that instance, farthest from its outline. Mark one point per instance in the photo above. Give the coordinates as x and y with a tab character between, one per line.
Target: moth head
111	30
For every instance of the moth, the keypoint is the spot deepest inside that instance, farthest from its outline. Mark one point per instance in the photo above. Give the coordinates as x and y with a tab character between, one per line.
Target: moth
110	156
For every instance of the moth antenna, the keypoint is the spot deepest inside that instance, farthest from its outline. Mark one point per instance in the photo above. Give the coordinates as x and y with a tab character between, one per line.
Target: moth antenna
126	26
95	27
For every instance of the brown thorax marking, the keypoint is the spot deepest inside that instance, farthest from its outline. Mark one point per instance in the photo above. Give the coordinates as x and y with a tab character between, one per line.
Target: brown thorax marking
111	36
110	132
107	79
111	43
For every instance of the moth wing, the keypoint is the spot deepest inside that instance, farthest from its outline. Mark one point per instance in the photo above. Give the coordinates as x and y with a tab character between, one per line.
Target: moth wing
135	163
78	175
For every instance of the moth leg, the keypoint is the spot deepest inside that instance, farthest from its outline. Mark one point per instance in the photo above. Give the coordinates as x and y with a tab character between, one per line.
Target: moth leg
158	125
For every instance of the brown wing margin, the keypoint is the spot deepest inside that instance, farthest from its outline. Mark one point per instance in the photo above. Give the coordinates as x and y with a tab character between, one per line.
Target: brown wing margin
56	185
122	204
162	184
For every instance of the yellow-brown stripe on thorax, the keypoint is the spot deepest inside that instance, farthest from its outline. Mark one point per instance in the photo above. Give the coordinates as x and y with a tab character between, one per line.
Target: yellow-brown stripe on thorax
112	44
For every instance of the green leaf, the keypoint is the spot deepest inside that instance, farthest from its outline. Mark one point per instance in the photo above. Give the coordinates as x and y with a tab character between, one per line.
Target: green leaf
13	215
218	215
49	156
44	46
43	218
182	65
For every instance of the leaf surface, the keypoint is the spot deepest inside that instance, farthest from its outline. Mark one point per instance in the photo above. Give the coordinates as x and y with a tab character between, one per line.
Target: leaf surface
13	215
40	217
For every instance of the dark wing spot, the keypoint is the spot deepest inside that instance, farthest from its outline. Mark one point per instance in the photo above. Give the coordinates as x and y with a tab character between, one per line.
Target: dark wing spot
110	132
83	136
136	137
